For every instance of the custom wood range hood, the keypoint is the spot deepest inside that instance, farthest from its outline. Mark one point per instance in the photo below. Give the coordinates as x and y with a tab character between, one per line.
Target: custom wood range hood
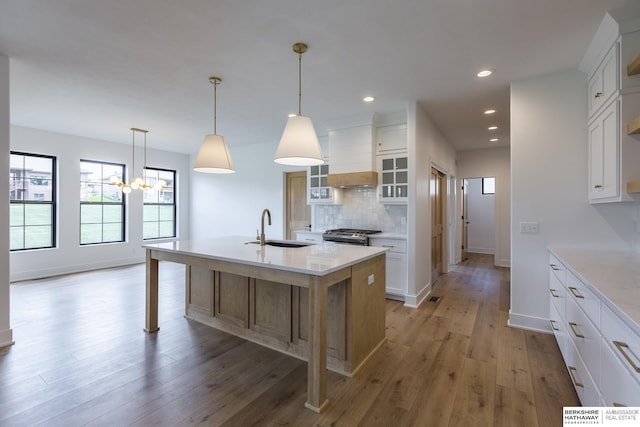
352	154
353	179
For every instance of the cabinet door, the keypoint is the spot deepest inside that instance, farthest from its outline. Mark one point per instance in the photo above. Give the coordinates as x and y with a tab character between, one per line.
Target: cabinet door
604	161
604	83
391	138
318	190
393	176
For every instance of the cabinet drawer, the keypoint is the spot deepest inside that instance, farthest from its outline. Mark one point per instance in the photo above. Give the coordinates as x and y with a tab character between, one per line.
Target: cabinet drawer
583	383
584	298
558	326
394	245
585	337
557	293
557	268
623	341
617	385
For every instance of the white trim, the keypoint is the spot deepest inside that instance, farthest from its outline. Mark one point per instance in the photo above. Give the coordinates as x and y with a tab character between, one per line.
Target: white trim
489	251
502	263
530	323
68	269
414	301
6	338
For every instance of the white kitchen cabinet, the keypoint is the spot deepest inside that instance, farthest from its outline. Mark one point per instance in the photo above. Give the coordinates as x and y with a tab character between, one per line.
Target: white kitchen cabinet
393	178
613	102
318	192
603	84
309	236
396	277
392	138
600	349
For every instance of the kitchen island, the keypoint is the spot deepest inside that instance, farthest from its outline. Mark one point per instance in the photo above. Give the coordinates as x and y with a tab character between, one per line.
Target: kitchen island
321	303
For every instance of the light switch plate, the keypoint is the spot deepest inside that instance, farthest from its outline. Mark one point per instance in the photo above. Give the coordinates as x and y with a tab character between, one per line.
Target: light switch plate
529	227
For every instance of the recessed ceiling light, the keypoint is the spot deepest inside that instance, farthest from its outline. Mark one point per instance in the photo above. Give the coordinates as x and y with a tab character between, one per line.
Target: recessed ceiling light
368	99
493	140
490	111
492	127
484	73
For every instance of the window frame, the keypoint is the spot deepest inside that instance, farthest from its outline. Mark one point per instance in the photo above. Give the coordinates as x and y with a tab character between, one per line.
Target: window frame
52	203
174	204
489	193
123	204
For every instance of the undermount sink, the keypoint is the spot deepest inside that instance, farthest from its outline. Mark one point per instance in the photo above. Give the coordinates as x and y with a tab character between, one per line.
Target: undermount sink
283	243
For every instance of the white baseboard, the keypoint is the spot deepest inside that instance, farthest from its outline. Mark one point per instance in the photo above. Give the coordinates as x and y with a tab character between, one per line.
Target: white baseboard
6	338
502	263
530	323
488	251
414	301
68	269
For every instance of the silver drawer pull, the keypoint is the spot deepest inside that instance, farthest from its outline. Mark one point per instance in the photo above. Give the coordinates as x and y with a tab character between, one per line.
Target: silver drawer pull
573	378
575	293
553	325
573	329
623	348
388	246
619	405
554	267
553	293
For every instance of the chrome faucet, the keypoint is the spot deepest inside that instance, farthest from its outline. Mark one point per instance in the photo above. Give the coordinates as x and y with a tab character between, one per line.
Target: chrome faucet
266	211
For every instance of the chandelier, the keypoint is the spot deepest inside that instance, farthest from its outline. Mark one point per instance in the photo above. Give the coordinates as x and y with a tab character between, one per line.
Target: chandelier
137	183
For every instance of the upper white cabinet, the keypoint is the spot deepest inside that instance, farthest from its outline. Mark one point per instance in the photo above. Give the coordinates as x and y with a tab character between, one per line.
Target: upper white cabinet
318	191
613	107
392	138
393	178
603	84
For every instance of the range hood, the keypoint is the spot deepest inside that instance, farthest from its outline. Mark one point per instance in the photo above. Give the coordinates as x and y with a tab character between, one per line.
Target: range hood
352	155
353	179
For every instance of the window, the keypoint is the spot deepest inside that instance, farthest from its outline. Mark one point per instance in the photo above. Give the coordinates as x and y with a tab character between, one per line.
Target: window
101	203
488	186
32	198
159	211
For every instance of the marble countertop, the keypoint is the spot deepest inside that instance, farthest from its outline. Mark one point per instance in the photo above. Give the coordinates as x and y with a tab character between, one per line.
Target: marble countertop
316	259
613	275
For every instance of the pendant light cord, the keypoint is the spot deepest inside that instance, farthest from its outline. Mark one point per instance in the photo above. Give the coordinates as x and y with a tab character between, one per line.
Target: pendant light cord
299	84
215	112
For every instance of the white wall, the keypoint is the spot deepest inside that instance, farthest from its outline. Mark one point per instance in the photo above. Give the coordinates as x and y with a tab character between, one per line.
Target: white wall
549	185
481	217
6	335
494	162
231	204
69	256
426	146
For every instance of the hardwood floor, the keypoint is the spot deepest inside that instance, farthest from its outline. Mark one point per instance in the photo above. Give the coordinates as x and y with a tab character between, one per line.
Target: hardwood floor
81	358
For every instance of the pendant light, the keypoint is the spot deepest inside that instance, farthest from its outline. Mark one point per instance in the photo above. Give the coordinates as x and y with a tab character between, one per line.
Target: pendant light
214	156
137	183
299	145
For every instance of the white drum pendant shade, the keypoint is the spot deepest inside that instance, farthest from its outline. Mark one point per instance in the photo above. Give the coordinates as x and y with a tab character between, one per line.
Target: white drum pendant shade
214	156
299	145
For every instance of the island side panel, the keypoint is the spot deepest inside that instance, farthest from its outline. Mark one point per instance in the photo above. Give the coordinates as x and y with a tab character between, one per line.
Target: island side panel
151	297
366	309
199	291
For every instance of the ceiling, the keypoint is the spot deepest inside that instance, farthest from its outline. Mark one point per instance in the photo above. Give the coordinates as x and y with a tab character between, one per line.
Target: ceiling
96	68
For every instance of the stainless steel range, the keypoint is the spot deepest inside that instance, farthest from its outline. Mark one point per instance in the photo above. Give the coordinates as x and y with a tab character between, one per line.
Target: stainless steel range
352	236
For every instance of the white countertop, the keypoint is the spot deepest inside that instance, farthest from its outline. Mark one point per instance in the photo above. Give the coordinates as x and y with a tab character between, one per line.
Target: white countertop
613	275
317	259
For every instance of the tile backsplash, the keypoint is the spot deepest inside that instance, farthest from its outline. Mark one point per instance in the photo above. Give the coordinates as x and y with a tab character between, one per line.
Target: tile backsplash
360	209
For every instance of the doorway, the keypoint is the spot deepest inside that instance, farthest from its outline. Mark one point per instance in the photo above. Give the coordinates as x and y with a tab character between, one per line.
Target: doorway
478	216
437	196
297	211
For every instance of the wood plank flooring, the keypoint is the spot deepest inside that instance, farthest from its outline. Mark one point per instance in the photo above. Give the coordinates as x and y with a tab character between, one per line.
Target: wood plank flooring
82	359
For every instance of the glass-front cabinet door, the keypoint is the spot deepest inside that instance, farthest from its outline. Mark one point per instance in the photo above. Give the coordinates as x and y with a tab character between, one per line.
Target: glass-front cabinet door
393	172
318	192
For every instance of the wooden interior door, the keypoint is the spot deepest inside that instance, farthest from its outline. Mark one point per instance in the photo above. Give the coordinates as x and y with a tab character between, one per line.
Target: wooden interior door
465	220
298	215
437	219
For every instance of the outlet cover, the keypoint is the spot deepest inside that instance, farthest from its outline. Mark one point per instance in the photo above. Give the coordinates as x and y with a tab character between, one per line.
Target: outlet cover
529	227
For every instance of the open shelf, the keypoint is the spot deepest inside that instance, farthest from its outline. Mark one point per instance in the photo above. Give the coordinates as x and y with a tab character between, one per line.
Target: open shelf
633	67
633	187
633	127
